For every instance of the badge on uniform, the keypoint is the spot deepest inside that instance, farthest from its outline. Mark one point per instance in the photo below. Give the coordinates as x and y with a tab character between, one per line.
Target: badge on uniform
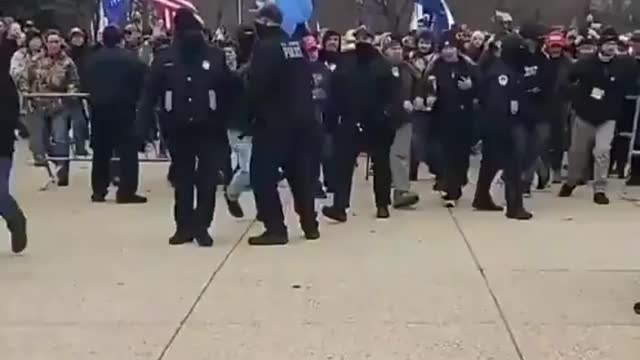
206	65
530	71
332	67
597	93
503	80
395	71
213	100
514	106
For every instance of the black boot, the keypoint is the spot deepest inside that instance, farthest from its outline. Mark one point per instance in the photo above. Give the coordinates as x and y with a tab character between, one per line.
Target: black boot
181	237
131	199
17	225
383	212
204	239
600	198
269	239
520	214
486	205
566	190
335	214
98	198
404	199
235	209
311	233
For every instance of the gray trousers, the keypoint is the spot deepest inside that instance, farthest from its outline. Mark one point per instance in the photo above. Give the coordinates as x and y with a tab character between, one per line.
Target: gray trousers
585	139
400	157
241	150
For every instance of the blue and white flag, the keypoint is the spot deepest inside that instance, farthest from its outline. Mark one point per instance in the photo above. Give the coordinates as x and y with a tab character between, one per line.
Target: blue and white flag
115	11
432	14
294	12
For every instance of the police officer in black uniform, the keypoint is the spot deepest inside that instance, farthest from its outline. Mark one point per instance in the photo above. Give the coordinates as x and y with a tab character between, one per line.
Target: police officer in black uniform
280	97
504	129
191	80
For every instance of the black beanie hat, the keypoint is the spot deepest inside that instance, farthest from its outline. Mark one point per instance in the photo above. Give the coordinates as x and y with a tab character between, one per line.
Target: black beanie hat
609	34
425	35
271	12
185	20
448	38
111	36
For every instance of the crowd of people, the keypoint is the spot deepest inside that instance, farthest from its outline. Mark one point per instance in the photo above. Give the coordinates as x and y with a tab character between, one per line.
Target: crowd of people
533	101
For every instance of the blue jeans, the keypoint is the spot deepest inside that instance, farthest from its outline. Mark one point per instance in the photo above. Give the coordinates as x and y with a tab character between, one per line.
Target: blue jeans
44	128
79	125
241	150
8	204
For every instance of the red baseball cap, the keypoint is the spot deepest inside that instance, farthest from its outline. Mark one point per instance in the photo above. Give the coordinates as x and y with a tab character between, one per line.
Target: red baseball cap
555	39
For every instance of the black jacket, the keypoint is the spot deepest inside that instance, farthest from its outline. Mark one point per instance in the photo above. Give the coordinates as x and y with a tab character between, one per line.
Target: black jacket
628	111
9	101
559	93
454	107
280	84
538	83
499	88
362	91
239	115
600	88
81	56
114	77
194	93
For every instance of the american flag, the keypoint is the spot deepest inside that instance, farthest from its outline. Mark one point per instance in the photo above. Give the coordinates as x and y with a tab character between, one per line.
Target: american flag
168	8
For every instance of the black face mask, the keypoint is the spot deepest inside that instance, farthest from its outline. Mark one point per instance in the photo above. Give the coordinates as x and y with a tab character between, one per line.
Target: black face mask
264	31
364	51
191	41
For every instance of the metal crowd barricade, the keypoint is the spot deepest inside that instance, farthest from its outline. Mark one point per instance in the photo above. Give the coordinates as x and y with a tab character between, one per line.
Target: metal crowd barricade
634	148
51	167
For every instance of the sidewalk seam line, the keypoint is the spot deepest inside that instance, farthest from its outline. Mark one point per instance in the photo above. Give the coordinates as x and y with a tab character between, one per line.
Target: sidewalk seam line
480	269
204	289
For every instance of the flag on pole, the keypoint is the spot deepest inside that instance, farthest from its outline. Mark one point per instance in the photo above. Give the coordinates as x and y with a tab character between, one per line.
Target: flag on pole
294	12
167	9
114	11
432	14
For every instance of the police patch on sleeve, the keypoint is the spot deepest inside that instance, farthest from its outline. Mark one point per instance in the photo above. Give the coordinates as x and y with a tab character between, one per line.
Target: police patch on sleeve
291	50
503	80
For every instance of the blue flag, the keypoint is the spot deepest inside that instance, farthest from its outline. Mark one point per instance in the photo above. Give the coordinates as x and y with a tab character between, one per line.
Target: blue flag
115	10
435	14
294	12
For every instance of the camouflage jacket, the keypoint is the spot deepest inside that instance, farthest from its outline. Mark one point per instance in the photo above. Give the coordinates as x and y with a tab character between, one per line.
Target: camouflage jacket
20	63
48	74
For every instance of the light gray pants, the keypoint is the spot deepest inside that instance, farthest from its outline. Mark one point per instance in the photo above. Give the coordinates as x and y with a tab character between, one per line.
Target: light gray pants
586	139
400	157
241	150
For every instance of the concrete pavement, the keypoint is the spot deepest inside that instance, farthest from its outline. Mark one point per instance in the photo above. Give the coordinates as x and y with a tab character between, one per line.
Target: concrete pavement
99	281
